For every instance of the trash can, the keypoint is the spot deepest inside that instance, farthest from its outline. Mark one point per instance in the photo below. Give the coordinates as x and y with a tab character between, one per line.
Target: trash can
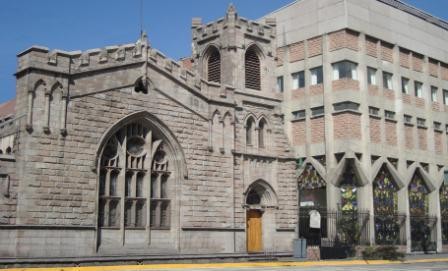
299	248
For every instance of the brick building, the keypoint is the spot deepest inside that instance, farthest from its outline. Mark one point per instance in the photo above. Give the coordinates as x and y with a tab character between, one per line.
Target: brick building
334	105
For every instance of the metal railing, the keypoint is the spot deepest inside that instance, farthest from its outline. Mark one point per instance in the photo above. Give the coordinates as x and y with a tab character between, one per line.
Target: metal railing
423	233
390	229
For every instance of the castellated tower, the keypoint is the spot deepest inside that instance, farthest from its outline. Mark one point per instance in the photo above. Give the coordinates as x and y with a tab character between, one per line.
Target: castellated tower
234	40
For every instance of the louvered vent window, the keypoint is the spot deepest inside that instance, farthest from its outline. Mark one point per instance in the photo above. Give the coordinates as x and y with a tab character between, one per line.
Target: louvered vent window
252	69
214	66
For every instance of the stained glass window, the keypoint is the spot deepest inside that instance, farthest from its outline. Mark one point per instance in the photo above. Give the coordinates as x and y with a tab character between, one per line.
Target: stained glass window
384	193
418	196
444	212
385	200
349	197
312	188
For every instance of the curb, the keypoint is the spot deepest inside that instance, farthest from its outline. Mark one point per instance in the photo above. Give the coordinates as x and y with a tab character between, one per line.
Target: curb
229	265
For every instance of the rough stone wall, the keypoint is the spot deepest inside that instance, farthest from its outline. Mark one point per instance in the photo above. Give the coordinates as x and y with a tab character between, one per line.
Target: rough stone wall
347	126
8	191
280	55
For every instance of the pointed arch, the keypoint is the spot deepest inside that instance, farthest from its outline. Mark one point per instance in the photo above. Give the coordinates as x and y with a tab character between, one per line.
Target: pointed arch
250	125
263	134
385	188
321	170
418	192
343	166
36	104
261	193
252	67
383	162
417	168
228	132
217	131
153	123
212	63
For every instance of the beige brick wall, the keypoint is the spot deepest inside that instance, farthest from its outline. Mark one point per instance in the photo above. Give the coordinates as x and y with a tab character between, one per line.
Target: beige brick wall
433	68
420	102
417	63
409	137
317	89
315	46
299	132
375	130
345	83
296	51
422	134
347	126
389	94
387	52
404	59
407	99
444	72
280	55
436	107
373	90
371	47
298	94
344	39
391	132
317	130
438	142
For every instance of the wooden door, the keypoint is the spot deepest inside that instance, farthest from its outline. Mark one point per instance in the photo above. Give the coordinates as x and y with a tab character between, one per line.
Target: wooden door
253	230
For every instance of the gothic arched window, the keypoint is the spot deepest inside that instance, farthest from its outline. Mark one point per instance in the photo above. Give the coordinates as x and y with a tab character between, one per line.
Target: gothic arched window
213	65
262	133
252	68
444	210
250	128
134	176
385	197
418	196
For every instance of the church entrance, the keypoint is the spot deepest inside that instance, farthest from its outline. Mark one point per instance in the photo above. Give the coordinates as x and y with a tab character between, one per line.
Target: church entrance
254	231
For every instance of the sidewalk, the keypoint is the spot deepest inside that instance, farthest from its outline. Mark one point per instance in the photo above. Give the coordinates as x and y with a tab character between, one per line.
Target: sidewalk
409	260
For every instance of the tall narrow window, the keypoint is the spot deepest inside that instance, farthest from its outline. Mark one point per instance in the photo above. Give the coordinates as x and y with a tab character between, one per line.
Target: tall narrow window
371	76
280	85
387	80
404	85
298	80
418	89
262	133
214	65
434	92
445	97
317	76
252	69
250	126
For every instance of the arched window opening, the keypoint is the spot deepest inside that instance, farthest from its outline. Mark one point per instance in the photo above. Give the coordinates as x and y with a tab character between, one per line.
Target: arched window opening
262	133
422	225
349	190
8	150
253	198
250	127
141	85
214	65
127	180
252	69
388	224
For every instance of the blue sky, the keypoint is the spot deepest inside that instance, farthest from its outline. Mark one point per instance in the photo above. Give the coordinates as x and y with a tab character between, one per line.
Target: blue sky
85	24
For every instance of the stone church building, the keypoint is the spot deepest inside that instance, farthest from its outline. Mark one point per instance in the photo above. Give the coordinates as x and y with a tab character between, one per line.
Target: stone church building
124	151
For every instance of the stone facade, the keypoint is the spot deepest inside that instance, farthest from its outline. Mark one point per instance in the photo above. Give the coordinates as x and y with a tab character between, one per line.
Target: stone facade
123	151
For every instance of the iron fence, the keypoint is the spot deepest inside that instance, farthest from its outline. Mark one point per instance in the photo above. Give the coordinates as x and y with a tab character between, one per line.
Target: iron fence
445	230
390	229
337	228
423	233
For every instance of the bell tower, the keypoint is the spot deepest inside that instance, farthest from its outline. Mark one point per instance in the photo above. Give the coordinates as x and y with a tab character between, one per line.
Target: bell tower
236	51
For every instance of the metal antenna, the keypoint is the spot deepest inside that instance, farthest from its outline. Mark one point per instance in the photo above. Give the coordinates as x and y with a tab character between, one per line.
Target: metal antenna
141	17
